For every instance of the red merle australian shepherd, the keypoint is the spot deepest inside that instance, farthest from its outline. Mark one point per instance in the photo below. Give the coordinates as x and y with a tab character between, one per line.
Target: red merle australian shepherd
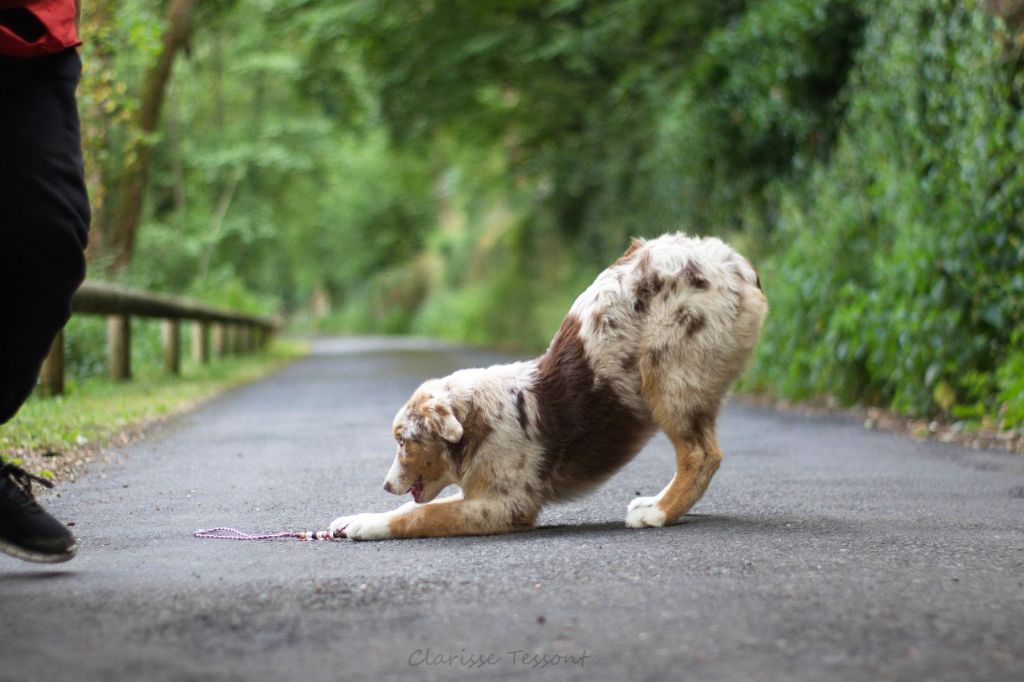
653	343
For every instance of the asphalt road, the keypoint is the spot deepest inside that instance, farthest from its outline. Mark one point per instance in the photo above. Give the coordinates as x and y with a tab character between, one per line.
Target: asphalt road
821	552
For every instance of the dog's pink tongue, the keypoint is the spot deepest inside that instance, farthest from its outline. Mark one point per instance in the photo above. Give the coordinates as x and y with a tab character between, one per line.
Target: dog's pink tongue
416	490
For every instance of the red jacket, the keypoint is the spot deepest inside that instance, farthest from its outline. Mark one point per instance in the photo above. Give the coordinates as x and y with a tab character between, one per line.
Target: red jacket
33	28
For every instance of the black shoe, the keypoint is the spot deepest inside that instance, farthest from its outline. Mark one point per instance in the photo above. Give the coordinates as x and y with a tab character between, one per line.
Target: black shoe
26	530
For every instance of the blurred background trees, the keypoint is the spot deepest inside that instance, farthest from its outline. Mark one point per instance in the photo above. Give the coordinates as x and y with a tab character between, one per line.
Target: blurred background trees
464	168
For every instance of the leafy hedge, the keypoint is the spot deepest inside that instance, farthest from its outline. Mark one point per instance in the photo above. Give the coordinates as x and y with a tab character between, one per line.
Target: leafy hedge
897	274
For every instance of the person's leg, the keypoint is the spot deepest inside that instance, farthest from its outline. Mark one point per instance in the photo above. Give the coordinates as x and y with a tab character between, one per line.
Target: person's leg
44	220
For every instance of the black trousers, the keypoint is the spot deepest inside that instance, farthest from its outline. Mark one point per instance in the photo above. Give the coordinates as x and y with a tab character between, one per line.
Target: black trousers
44	214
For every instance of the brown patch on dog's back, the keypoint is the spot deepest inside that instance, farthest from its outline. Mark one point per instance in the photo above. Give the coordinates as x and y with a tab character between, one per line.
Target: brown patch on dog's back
692	321
643	264
634	246
586	431
694	275
524	418
646	288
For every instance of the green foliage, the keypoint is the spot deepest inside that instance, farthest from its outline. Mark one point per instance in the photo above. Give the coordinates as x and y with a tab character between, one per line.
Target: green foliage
85	342
901	270
584	122
94	409
760	102
464	168
509	296
1010	382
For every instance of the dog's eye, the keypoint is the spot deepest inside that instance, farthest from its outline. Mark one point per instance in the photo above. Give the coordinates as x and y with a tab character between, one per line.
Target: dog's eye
401	442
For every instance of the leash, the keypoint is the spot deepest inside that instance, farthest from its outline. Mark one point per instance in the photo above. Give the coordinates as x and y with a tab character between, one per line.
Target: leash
224	533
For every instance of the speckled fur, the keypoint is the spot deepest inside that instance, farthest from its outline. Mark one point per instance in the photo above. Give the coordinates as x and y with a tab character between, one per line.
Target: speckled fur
655	342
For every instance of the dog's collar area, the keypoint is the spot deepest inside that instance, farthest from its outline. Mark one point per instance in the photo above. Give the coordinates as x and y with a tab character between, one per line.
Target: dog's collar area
457	451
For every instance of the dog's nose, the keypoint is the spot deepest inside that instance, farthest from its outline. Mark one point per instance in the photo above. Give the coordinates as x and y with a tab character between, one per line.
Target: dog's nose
387	486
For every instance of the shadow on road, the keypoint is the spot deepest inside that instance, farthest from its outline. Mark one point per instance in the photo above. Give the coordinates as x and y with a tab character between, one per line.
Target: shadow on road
33	576
694	521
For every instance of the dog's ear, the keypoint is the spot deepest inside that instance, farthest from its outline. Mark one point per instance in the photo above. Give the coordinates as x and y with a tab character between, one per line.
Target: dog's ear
442	421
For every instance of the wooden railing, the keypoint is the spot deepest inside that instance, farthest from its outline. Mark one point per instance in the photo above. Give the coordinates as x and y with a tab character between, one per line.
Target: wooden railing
230	332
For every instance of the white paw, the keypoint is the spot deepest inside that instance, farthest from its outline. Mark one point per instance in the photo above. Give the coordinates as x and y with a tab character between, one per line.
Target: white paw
364	526
644	517
341	522
639	502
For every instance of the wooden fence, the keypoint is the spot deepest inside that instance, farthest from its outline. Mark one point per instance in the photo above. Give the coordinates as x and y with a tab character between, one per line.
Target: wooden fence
228	332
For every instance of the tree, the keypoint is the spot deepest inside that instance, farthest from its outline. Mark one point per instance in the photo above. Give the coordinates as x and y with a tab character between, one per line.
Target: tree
119	236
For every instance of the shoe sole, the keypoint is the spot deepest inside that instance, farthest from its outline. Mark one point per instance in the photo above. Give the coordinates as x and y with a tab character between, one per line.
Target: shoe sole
37	557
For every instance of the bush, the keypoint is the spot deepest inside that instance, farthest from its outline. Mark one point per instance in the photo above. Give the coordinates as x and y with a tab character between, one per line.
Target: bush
899	277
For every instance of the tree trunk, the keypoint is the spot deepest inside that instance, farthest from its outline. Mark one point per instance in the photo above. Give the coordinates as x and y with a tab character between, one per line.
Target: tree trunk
131	185
98	110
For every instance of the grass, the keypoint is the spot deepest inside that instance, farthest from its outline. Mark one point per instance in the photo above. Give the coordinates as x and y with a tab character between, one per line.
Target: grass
94	411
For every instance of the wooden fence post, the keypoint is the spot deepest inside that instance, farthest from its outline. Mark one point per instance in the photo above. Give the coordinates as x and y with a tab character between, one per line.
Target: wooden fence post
216	332
201	342
171	332
119	347
51	376
219	339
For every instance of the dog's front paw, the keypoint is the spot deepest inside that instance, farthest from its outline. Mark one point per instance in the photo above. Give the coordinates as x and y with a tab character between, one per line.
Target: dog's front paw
641	515
340	523
364	526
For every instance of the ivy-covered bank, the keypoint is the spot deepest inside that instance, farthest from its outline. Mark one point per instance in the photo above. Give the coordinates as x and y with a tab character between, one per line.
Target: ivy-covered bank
897	271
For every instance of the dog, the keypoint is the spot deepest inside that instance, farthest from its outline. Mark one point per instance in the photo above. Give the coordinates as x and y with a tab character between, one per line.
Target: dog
654	343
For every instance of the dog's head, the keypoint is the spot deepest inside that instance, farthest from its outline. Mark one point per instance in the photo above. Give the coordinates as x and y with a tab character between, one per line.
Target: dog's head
424	429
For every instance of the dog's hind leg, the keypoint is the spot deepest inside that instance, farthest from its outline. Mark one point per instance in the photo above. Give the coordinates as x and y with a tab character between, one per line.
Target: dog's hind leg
697	460
688	418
